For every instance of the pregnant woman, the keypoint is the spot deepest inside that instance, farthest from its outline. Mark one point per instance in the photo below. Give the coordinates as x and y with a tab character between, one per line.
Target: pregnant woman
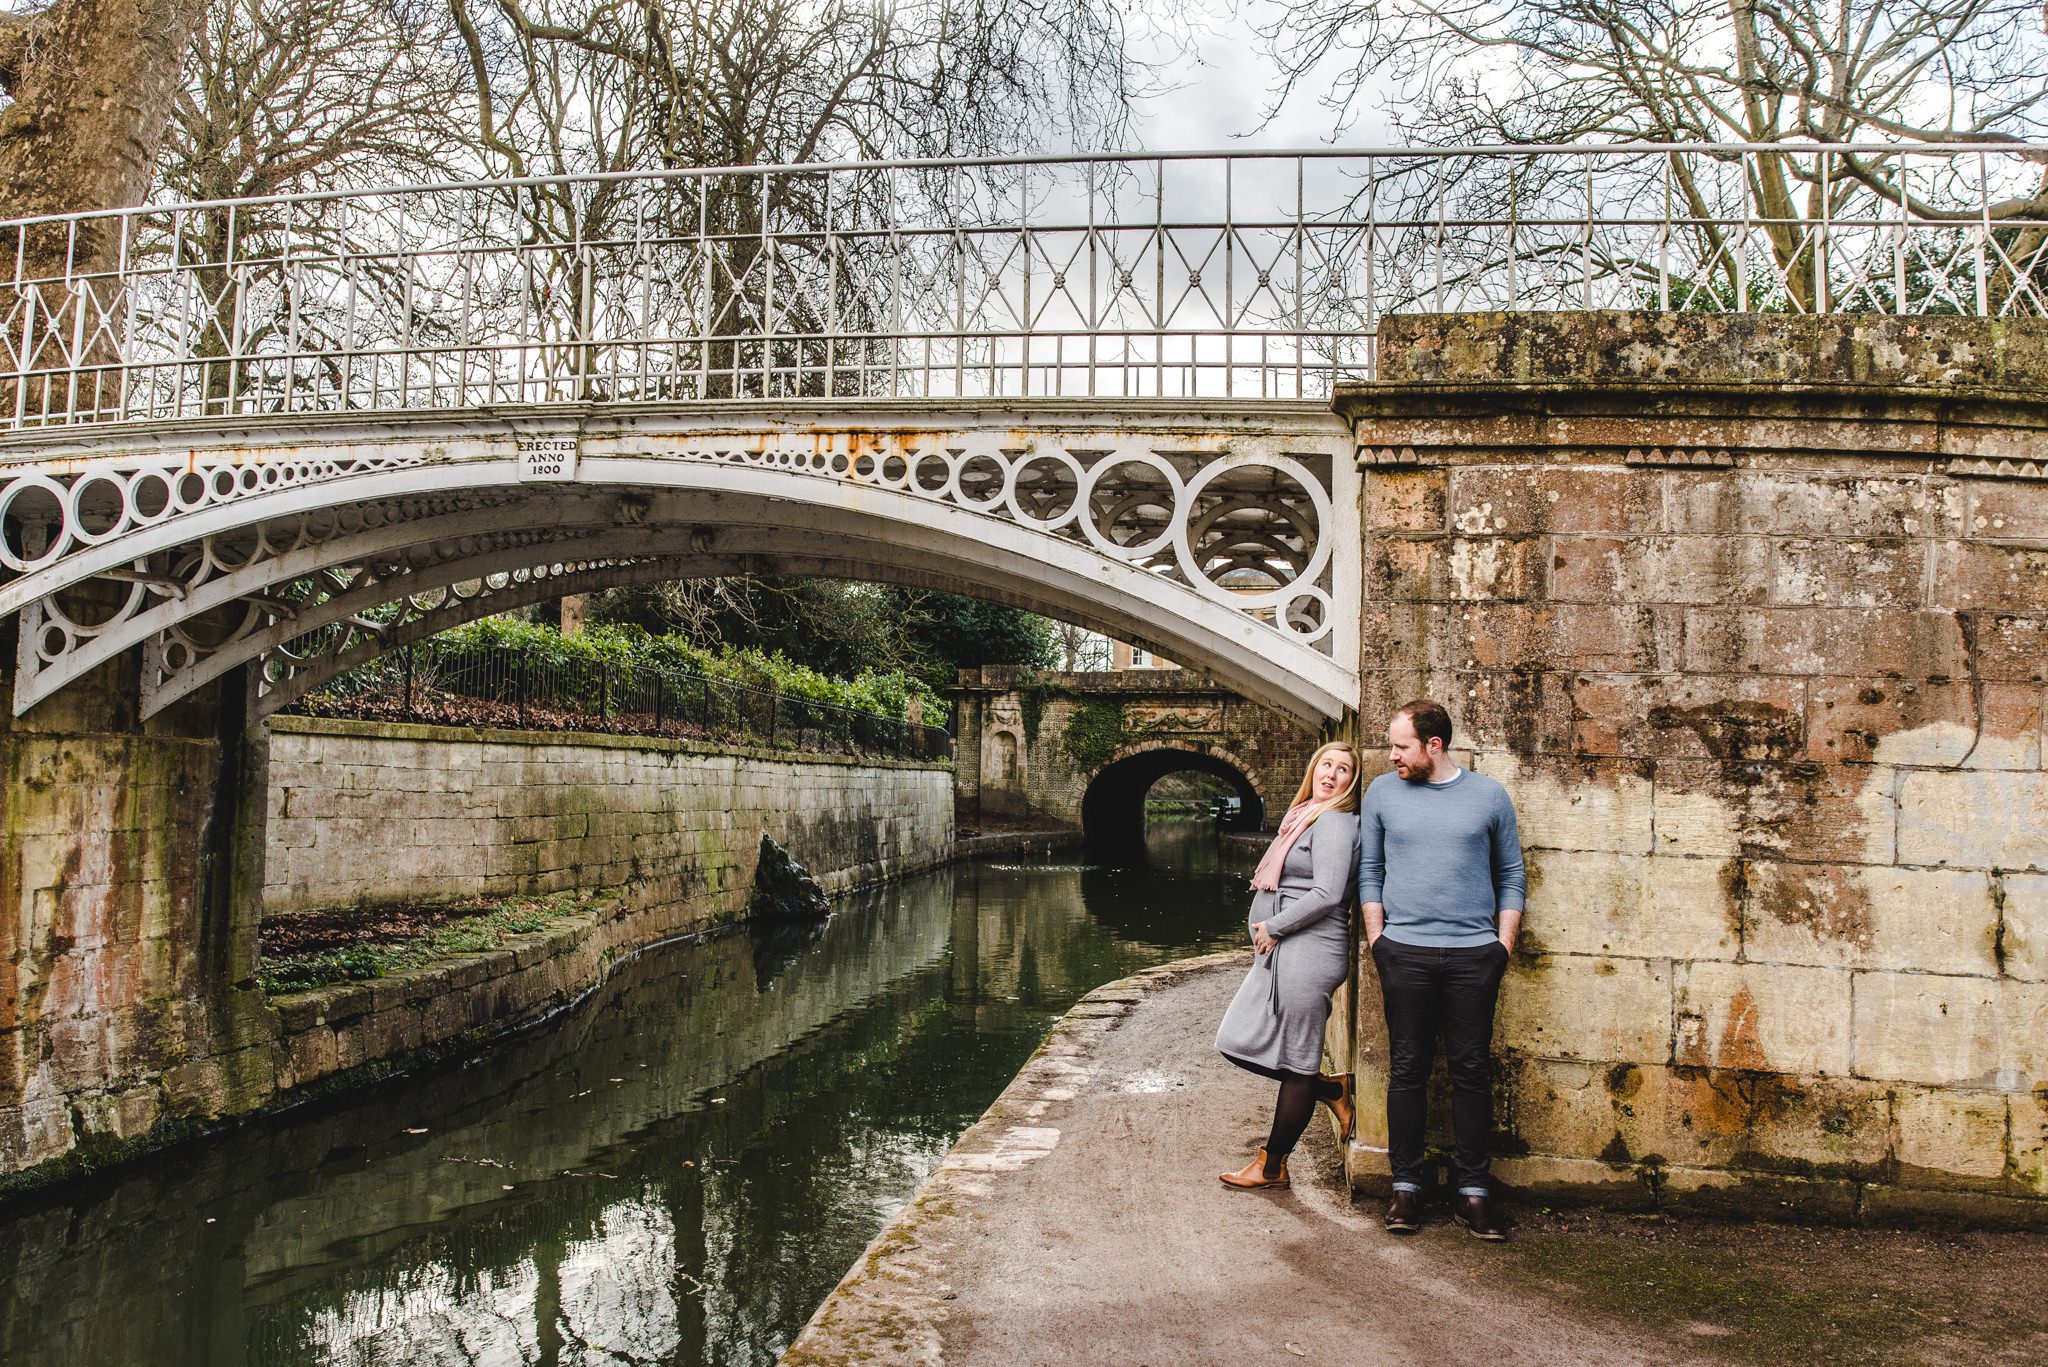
1301	932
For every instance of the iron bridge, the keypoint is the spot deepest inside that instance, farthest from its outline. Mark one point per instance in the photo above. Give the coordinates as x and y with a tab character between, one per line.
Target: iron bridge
298	432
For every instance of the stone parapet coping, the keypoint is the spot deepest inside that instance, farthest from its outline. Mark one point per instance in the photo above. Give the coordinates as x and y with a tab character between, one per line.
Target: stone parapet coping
1707	351
1705	391
597	740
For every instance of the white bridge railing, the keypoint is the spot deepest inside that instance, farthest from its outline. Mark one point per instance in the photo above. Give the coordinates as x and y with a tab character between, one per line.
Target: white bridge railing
1216	275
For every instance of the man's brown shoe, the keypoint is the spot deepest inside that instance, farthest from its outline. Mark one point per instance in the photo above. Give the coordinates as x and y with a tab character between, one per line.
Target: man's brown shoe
1343	1107
1404	1216
1480	1219
1252	1176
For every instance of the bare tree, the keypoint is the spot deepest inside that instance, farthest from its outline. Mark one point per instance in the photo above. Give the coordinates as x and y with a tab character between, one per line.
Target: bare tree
281	96
91	84
572	86
1080	650
741	82
295	94
1825	72
288	96
695	607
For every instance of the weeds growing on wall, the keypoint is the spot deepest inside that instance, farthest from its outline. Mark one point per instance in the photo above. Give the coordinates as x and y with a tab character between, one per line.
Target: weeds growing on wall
1035	692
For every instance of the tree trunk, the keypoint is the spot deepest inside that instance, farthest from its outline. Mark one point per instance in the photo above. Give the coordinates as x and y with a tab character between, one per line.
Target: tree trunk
93	82
1771	182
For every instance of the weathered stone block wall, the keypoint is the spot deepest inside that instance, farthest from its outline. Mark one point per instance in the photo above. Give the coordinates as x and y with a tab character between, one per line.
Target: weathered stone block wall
126	957
1029	745
670	825
1751	617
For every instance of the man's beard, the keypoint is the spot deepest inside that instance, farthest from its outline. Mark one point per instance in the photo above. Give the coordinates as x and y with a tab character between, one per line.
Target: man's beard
1414	773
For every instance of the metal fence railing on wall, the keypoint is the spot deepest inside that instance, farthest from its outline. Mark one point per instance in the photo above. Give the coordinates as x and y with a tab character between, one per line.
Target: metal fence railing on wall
512	688
1229	275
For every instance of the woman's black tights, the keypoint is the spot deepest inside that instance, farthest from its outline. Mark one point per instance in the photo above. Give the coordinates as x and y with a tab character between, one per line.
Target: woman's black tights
1299	1093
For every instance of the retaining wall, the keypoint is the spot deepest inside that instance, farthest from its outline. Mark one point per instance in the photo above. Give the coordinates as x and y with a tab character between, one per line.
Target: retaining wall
453	812
668	830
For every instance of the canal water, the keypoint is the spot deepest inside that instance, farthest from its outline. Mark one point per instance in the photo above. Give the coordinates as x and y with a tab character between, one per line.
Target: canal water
678	1172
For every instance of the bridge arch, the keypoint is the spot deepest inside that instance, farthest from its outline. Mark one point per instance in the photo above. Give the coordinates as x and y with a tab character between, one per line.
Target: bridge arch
1113	802
308	548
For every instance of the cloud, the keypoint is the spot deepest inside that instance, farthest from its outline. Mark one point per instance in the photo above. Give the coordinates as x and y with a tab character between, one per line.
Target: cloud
1223	85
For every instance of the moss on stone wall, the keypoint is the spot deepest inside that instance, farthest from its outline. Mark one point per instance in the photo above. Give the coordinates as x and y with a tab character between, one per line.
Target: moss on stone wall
357	960
1095	732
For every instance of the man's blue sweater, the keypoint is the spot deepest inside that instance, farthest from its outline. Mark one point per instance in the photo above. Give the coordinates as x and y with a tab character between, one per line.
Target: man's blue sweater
1444	858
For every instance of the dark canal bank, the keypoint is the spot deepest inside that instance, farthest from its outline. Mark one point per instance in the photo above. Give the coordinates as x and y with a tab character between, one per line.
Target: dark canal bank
678	1173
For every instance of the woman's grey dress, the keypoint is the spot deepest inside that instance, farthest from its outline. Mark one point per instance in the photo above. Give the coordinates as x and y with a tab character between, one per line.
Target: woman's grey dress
1277	1018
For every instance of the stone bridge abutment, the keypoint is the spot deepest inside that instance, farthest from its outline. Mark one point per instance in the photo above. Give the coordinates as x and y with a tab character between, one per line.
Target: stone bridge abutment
1750	614
131	875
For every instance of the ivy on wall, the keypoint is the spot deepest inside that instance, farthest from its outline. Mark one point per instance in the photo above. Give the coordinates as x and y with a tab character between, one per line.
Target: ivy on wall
1035	694
1095	732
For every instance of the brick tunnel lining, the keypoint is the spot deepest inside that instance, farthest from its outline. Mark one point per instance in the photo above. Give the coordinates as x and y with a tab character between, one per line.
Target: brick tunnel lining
1113	807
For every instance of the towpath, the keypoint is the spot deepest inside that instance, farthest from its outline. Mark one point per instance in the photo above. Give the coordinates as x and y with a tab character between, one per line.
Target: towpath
1080	1221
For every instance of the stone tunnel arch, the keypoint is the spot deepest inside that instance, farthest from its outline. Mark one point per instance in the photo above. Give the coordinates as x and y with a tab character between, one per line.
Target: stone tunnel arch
1113	804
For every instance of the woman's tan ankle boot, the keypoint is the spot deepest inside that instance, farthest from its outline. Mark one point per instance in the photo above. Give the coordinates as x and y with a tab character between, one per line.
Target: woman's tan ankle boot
1252	1176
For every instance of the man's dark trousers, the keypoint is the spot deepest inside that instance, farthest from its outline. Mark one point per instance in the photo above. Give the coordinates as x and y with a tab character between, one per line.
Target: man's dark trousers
1430	992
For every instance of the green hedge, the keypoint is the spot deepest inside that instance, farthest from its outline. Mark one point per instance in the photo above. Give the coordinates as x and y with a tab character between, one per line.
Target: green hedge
890	693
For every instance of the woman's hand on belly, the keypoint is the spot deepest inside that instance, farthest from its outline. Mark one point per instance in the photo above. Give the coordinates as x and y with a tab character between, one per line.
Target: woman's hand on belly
1261	941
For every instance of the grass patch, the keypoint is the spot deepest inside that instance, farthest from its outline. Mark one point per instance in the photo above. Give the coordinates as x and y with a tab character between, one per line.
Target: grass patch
378	958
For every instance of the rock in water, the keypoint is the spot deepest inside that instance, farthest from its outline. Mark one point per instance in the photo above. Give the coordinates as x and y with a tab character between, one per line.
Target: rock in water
784	889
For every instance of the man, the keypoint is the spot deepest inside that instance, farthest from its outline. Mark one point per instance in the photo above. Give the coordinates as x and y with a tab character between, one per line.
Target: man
1440	873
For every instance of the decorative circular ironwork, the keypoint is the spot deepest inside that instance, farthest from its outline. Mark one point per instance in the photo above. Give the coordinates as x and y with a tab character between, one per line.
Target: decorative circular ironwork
1245	530
1119	525
110	501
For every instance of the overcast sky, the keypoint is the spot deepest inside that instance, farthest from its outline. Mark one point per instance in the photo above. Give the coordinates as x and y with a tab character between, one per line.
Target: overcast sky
1222	90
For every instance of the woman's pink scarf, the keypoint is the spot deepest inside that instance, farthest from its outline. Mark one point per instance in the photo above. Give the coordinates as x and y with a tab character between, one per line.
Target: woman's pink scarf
1298	819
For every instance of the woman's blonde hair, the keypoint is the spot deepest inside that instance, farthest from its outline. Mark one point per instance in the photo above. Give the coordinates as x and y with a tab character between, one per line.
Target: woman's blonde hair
1346	801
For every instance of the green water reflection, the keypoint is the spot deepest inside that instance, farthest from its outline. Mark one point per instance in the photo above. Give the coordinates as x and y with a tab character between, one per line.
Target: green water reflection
678	1173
